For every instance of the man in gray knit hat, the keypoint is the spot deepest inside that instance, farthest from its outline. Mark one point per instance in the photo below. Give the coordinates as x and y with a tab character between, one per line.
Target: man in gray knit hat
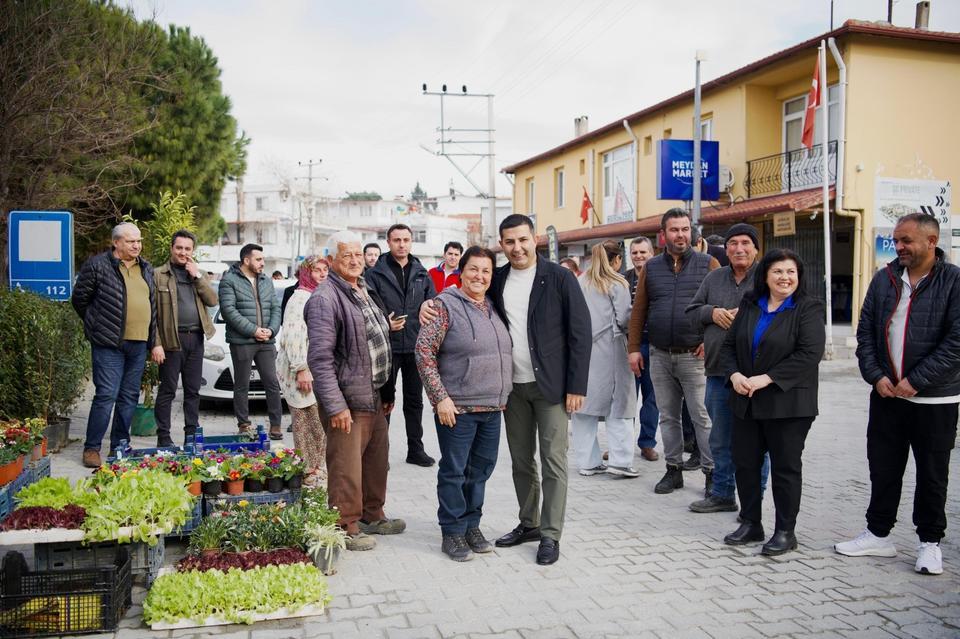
714	308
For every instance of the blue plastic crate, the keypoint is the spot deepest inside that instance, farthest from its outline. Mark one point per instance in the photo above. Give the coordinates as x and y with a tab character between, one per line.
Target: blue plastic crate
40	468
192	522
8	492
232	443
287	495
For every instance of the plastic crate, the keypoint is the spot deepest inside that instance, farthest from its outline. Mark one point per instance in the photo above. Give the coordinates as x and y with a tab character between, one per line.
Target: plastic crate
232	443
287	495
9	491
40	468
145	560
192	522
65	602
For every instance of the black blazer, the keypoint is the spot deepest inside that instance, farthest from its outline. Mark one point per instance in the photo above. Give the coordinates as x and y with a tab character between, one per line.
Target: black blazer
558	329
789	352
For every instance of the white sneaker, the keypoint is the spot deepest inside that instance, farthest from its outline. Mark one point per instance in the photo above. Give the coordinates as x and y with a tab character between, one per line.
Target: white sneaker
929	559
596	470
623	471
867	545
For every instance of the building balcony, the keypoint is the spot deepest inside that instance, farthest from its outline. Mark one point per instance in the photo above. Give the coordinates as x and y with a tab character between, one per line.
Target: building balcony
790	171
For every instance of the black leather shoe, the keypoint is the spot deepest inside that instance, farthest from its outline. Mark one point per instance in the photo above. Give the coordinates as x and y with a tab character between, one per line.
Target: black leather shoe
747	532
693	462
420	458
519	535
548	552
164	441
782	541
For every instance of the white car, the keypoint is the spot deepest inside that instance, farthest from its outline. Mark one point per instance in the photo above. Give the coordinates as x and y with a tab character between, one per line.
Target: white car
216	381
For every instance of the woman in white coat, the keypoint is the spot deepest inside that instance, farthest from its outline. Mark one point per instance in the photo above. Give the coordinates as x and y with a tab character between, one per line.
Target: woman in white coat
295	378
611	389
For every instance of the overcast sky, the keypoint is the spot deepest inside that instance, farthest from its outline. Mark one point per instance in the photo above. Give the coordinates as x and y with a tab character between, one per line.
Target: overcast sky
341	80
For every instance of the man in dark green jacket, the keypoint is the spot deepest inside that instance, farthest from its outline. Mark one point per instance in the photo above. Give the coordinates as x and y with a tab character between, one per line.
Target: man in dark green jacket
251	311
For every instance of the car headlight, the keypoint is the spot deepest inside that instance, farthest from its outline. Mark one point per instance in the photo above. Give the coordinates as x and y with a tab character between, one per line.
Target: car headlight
213	352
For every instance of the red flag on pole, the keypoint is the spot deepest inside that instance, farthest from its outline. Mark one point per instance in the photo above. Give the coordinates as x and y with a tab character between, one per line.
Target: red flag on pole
814	99
585	207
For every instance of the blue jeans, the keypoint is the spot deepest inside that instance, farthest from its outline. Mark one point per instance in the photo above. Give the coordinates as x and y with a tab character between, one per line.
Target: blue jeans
468	455
116	376
721	437
649	414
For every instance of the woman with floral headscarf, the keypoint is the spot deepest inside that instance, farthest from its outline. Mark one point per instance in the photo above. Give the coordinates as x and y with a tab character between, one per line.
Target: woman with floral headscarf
295	378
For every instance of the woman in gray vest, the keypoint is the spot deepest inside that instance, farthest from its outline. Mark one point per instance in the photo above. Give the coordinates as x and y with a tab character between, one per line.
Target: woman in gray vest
611	390
464	359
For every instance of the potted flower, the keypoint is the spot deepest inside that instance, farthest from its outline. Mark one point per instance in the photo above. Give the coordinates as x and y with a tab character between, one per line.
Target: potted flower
212	475
256	474
233	475
36	426
273	474
291	468
192	473
11	462
325	542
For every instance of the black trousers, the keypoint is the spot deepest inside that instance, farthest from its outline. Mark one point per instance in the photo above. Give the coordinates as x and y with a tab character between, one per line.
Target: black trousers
784	440
896	426
187	363
412	398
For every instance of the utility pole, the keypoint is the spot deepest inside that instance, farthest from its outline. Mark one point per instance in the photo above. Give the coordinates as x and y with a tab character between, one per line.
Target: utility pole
695	222
471	136
309	164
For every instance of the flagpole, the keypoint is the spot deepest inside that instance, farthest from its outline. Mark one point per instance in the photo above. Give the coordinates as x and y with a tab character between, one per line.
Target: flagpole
825	153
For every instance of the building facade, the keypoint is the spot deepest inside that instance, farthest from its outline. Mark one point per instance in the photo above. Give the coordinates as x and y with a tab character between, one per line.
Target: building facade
898	153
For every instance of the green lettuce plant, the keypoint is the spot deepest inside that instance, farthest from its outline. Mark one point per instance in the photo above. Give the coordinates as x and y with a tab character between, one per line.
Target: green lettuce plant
235	595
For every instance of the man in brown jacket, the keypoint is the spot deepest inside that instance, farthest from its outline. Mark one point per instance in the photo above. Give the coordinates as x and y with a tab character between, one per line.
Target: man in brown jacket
350	359
183	293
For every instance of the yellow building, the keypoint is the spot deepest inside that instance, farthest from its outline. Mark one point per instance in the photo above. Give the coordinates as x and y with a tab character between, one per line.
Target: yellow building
901	151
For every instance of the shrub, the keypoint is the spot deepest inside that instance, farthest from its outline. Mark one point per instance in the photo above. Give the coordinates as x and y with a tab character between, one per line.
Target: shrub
45	358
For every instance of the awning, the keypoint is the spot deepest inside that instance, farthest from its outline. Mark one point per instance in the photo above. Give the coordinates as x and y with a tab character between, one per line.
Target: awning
736	212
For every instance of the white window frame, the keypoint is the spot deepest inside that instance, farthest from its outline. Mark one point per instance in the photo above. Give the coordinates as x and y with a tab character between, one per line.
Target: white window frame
706	129
559	185
531	197
611	163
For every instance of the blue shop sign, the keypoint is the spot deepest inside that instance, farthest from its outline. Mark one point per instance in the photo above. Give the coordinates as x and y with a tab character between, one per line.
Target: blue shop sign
675	170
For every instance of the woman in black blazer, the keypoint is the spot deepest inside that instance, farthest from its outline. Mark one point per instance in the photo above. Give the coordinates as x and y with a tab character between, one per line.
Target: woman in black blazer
771	356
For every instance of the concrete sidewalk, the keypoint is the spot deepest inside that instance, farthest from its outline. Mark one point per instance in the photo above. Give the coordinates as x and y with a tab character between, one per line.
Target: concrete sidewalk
633	563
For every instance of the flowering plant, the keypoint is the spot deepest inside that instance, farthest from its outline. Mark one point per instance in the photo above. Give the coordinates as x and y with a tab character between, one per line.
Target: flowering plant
36	426
17	437
291	464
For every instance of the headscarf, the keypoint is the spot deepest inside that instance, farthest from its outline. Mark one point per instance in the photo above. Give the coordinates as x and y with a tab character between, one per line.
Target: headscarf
304	277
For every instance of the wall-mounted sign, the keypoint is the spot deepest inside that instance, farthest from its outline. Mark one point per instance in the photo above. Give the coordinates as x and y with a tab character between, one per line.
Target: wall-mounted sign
895	197
675	170
40	252
884	250
784	224
553	245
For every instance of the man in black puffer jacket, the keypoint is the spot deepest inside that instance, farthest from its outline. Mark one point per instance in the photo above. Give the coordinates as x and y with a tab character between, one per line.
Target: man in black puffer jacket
115	297
402	283
908	345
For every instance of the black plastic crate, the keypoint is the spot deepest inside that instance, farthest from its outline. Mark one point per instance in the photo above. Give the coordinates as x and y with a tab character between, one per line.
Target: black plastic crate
145	560
65	602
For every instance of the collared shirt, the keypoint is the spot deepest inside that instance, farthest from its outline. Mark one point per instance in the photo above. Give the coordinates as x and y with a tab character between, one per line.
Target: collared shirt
897	339
136	326
378	334
766	318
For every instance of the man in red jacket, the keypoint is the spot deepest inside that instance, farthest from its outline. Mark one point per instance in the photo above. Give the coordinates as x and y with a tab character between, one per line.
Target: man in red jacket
447	272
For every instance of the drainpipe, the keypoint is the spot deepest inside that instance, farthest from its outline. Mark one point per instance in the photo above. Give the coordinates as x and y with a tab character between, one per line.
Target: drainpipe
636	165
857	284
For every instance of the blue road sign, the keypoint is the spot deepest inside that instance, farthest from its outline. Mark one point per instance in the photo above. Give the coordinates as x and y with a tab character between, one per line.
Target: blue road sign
40	251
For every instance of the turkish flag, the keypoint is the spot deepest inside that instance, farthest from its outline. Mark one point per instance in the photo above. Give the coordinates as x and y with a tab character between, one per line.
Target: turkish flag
585	206
814	98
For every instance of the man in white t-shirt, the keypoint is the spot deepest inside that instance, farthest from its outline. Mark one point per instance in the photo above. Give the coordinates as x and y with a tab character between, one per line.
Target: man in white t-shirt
908	347
549	325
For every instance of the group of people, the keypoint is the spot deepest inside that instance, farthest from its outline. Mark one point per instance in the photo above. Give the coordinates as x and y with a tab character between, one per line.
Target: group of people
735	347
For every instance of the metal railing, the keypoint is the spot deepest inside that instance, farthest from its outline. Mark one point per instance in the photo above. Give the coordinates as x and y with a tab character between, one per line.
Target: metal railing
790	171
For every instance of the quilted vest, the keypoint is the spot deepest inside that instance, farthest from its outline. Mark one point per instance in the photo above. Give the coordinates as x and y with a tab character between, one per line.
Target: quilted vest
668	295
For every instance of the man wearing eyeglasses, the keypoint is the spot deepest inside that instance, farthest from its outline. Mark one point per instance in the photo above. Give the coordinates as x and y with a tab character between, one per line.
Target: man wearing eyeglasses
115	297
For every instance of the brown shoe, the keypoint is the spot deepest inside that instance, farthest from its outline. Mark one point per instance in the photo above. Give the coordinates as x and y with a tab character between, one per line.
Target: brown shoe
649	454
91	458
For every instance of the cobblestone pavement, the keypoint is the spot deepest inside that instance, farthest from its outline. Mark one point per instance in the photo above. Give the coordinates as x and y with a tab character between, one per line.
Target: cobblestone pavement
633	563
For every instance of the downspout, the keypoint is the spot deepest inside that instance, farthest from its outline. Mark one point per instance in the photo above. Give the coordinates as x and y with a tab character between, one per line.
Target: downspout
857	216
636	168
